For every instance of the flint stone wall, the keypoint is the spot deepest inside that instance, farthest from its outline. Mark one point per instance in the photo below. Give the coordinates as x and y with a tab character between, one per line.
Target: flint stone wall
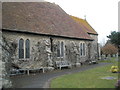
40	49
1	61
5	81
94	53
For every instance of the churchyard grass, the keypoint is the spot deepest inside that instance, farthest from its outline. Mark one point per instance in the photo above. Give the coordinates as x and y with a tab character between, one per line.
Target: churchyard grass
91	78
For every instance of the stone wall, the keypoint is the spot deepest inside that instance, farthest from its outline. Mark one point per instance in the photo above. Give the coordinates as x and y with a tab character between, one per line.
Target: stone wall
40	50
0	45
0	60
5	57
94	47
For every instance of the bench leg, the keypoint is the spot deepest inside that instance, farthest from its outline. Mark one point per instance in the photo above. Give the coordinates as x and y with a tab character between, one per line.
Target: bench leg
28	72
60	67
43	70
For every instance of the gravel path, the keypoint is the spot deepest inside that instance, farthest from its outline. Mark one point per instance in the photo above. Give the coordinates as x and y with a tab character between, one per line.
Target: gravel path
41	80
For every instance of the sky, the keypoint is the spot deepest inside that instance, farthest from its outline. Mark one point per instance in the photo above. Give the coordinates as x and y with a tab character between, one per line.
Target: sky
102	15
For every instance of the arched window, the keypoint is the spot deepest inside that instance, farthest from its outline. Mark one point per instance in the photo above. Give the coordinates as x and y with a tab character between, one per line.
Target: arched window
58	50
21	48
27	48
51	41
81	49
84	49
62	49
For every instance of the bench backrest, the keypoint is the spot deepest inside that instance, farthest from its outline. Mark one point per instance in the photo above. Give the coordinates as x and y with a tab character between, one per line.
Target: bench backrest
62	63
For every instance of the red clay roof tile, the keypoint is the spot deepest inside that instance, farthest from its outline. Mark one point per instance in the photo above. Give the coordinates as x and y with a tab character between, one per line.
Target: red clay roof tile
85	25
41	18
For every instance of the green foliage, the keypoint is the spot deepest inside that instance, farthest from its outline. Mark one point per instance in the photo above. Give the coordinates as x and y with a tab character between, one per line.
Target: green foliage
115	37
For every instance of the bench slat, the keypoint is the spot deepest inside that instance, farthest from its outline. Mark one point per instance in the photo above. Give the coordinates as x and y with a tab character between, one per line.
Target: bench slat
61	64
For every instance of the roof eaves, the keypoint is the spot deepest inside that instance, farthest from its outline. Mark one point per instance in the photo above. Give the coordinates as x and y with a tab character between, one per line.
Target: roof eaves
25	31
92	33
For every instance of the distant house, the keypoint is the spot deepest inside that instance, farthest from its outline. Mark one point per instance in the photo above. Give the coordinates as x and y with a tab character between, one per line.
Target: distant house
44	33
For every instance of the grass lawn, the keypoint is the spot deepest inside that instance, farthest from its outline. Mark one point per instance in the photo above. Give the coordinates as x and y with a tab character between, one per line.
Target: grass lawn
88	79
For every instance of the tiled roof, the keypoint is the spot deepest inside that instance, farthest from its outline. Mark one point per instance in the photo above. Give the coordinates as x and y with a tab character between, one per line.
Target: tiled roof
42	18
86	26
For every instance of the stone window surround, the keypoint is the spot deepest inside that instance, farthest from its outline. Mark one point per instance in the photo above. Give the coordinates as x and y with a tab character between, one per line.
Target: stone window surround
60	49
24	49
83	52
21	49
27	48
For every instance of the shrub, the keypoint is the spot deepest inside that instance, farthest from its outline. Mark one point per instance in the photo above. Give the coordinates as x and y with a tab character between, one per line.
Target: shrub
114	69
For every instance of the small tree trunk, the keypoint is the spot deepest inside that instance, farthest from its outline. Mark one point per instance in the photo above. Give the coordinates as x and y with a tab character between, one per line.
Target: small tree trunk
106	55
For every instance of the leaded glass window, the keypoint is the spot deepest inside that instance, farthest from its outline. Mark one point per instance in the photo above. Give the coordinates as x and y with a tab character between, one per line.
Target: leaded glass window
21	48
62	49
84	49
27	48
58	50
81	49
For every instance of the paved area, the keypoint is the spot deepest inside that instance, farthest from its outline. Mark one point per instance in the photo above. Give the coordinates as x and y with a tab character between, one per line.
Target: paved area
41	80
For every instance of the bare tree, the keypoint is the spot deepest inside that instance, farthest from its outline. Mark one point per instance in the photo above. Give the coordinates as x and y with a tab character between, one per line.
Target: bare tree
109	49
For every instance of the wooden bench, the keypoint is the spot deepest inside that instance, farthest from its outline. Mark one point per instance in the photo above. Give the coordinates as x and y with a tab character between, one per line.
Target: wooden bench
16	72
22	71
60	64
93	62
28	70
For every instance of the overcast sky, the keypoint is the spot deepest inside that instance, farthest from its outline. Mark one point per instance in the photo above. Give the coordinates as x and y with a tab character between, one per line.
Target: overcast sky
102	15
